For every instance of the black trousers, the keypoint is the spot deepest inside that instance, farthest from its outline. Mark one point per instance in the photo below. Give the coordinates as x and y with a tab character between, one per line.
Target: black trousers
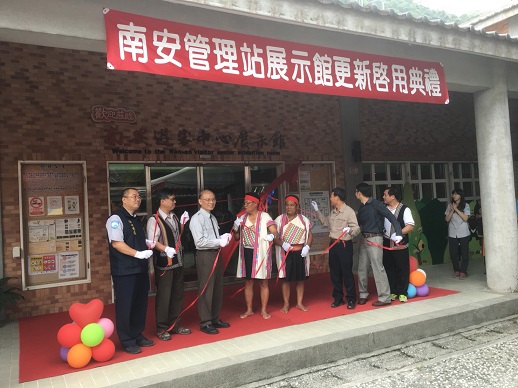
169	297
341	270
209	304
397	266
131	295
461	244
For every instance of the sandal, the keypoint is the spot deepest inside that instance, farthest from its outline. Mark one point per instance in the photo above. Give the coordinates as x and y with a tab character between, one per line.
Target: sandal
180	330
164	336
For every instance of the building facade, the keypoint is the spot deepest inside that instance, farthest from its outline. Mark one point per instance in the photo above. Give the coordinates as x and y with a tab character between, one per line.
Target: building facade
63	110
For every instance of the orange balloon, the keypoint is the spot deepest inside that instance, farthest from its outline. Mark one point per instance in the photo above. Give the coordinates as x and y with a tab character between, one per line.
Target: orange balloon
69	335
413	264
417	278
79	356
104	351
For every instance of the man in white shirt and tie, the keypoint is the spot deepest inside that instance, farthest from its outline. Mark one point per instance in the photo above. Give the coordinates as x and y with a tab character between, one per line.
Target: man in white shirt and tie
205	233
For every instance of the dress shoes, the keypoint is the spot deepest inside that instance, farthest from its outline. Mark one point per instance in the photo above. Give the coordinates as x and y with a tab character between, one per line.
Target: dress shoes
337	303
380	303
362	300
180	330
132	349
144	342
219	324
209	329
351	304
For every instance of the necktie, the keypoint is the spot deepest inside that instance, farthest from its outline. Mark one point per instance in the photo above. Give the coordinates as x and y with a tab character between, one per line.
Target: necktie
212	223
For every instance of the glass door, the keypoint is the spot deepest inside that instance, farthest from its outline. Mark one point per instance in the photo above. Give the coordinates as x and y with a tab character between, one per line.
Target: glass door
229	182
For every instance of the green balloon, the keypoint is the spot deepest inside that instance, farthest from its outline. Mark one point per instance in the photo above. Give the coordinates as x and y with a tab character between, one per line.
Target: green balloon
92	334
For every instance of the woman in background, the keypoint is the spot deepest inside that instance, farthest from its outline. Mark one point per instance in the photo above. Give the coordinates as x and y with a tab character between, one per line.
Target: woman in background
456	215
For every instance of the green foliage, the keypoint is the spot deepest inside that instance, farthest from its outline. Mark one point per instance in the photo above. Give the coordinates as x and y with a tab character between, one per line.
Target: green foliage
8	294
417	10
417	241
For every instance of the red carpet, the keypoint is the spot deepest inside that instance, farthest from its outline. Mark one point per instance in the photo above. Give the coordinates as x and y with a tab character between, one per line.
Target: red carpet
39	348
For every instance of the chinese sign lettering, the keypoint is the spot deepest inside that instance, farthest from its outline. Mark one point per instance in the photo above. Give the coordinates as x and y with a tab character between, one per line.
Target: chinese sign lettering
139	43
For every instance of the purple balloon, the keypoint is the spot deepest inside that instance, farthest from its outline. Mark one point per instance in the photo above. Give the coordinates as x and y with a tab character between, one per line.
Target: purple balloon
422	290
63	353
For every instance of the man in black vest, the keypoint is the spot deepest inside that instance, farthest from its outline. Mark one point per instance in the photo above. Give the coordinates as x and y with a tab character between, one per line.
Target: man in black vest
129	255
396	261
165	230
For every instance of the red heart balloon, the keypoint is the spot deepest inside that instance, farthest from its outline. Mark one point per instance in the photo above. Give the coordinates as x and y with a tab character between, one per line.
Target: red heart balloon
83	314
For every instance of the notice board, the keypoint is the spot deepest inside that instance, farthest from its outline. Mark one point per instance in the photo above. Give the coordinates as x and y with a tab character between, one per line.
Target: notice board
53	224
314	183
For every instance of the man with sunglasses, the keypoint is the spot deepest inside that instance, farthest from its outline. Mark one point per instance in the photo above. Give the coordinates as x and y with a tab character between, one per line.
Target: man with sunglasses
165	229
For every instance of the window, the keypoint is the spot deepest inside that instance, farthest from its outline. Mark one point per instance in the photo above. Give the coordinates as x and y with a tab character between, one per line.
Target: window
428	180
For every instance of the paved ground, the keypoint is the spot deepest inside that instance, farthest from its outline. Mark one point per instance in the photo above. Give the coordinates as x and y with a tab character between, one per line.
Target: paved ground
265	355
482	356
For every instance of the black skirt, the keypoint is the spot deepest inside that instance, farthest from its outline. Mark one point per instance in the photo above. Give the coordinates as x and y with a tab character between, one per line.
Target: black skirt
295	266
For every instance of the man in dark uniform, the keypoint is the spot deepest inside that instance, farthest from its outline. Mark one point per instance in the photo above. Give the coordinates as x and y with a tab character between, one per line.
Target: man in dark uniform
129	255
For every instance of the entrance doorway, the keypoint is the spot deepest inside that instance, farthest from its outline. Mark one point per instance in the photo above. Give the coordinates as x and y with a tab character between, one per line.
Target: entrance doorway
228	181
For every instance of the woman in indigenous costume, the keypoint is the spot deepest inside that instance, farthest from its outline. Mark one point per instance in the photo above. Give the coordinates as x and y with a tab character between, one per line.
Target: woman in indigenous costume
255	231
294	242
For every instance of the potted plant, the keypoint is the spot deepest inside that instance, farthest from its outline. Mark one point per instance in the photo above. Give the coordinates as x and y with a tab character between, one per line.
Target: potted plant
8	296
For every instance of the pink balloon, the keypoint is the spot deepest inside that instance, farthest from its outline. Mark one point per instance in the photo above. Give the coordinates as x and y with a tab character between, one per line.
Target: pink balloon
107	326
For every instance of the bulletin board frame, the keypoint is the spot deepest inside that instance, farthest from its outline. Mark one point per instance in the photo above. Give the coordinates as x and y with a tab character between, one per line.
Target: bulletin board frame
54	225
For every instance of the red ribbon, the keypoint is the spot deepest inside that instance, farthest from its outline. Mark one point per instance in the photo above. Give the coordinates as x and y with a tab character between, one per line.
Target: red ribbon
200	294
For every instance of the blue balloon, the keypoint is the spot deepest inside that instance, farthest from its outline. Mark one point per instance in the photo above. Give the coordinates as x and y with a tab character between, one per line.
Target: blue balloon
412	291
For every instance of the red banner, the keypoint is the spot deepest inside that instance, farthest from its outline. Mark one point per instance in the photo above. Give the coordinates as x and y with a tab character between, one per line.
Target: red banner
139	43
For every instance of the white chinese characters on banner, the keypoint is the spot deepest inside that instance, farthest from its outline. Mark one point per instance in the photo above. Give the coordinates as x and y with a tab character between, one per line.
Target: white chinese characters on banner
158	46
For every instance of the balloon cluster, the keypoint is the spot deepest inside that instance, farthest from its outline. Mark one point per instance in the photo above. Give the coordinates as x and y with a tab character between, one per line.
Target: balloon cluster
417	280
87	336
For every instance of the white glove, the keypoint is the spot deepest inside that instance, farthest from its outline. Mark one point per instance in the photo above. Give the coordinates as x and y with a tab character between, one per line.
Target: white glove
170	252
269	237
143	254
305	251
346	230
315	206
224	240
184	217
150	244
238	222
286	246
396	239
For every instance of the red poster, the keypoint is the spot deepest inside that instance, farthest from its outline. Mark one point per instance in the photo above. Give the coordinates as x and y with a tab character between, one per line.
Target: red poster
139	43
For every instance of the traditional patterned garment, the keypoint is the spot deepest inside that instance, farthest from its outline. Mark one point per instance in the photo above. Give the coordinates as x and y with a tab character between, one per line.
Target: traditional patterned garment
173	226
294	232
262	258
